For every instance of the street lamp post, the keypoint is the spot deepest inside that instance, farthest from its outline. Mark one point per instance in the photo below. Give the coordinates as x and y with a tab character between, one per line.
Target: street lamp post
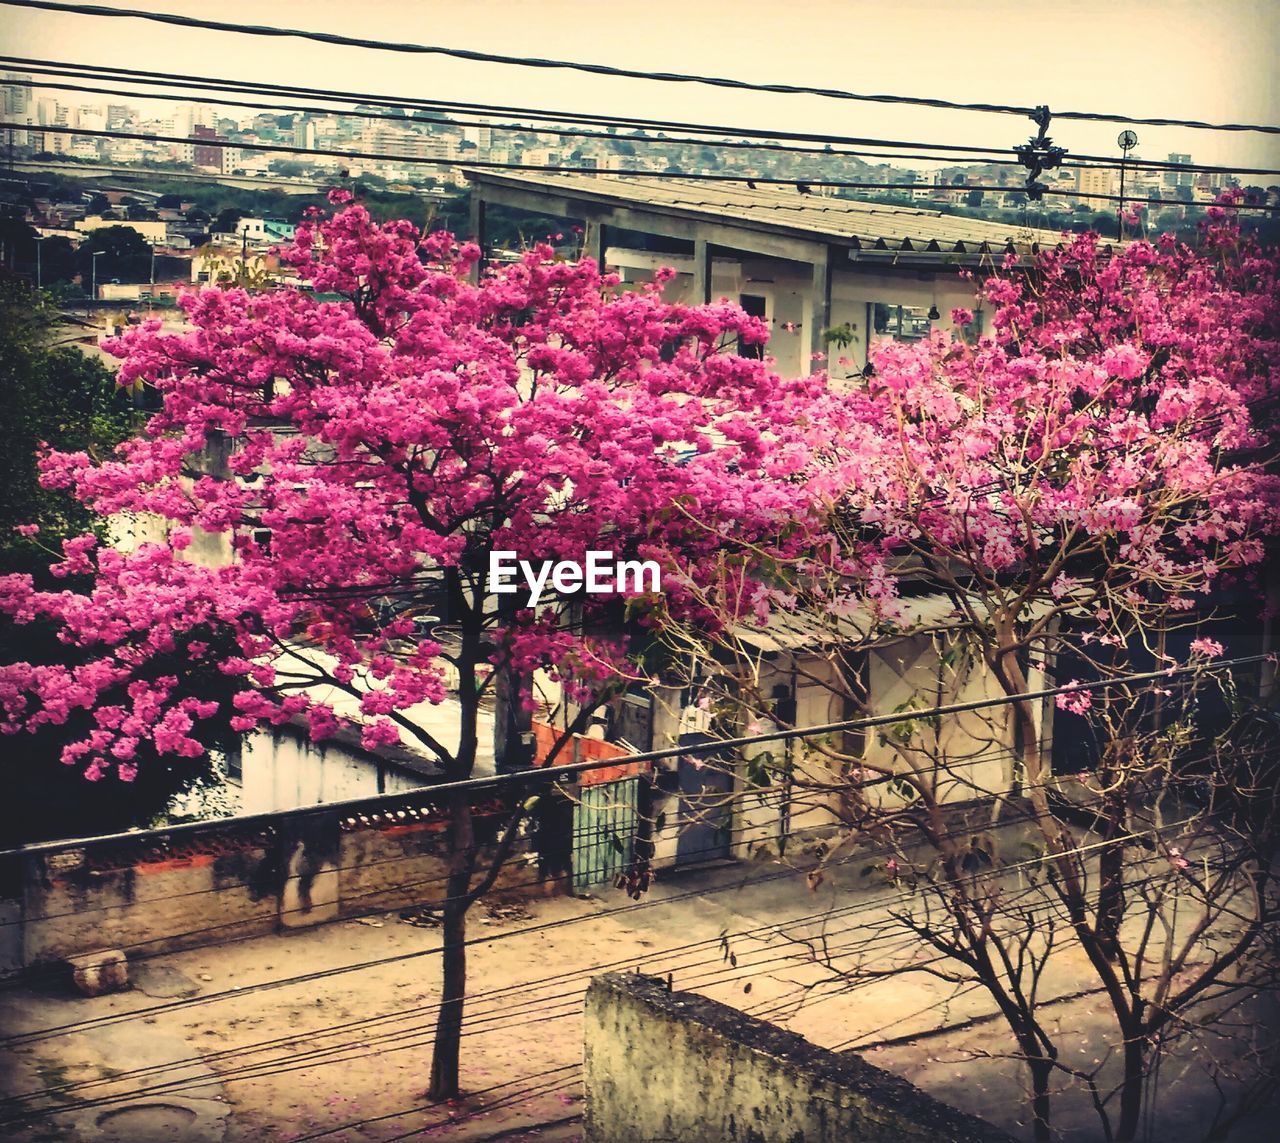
39	268
1126	141
93	262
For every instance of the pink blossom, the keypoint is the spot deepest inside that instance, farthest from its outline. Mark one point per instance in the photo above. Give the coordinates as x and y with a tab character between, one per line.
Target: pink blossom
375	438
1077	703
1209	648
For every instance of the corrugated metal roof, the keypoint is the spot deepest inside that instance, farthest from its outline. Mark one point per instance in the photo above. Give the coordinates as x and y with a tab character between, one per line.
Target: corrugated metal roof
852	222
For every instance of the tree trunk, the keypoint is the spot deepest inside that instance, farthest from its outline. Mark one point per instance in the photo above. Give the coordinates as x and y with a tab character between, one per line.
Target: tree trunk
448	1039
1111	888
1041	1070
1131	1089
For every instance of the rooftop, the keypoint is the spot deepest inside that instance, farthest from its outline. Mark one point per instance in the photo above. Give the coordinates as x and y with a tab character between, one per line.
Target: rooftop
852	223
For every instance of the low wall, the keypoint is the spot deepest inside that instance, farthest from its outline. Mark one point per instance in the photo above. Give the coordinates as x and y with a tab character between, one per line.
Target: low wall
678	1067
156	890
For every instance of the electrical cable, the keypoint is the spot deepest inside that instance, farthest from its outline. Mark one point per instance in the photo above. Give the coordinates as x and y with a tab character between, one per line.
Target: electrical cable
306	978
165	79
564	132
495	1018
368	1022
798	181
551	773
337	40
963	154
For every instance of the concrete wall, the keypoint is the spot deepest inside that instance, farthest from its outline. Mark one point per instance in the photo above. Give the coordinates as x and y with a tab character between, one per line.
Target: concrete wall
787	288
159	890
282	769
684	1069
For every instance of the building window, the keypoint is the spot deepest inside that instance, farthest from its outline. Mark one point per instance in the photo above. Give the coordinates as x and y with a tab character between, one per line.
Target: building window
757	307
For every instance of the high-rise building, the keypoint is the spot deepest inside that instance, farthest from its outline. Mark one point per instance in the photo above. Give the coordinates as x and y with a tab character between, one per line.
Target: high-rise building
15	101
1095	181
1179	178
16	97
304	132
207	155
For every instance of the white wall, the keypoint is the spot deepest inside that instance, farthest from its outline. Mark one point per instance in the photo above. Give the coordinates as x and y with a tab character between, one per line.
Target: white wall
787	288
282	770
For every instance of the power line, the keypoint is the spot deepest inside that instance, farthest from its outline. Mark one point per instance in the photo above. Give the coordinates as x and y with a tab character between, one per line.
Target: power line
549	774
153	78
761	142
573	133
798	181
421	815
346	899
493	1018
336	40
321	974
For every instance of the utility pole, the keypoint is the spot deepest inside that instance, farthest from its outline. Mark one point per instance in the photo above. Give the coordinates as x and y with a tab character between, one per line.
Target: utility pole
39	269
1126	140
93	294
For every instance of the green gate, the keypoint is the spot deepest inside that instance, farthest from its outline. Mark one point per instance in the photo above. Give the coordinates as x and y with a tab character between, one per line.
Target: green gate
604	832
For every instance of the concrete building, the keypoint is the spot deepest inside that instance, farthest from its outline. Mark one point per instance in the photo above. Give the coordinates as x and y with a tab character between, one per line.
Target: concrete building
1095	181
831	276
810	266
149	231
1179	178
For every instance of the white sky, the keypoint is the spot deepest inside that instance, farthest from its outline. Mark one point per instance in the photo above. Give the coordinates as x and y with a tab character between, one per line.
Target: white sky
1191	59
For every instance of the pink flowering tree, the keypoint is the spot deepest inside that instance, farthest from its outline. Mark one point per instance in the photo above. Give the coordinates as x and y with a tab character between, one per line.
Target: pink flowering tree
327	456
1083	483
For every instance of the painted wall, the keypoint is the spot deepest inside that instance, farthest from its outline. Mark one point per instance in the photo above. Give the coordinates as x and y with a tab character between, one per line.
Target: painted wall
159	890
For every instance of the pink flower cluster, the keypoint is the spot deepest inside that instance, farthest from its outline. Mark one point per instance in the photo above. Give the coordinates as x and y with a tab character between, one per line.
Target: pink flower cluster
345	455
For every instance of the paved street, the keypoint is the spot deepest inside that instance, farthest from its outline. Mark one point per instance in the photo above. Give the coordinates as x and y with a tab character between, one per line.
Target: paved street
234	1051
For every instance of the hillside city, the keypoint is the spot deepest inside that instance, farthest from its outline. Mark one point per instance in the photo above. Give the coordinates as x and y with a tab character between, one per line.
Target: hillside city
425	153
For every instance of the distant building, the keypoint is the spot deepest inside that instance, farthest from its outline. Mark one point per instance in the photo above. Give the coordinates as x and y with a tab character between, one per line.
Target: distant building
304	133
207	154
148	231
829	275
16	96
1179	178
1092	181
15	101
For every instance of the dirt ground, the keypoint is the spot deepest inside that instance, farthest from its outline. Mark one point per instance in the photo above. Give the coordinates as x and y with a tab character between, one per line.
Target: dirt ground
222	1045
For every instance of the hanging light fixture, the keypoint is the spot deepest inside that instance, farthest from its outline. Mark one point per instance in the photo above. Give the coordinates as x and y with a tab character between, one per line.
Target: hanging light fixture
933	312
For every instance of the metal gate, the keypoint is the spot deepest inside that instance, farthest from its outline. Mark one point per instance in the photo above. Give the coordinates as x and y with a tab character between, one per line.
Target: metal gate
604	832
706	787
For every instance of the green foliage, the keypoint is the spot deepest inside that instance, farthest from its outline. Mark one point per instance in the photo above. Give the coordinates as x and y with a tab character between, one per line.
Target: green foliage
58	262
53	395
123	254
841	336
60	396
903	789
